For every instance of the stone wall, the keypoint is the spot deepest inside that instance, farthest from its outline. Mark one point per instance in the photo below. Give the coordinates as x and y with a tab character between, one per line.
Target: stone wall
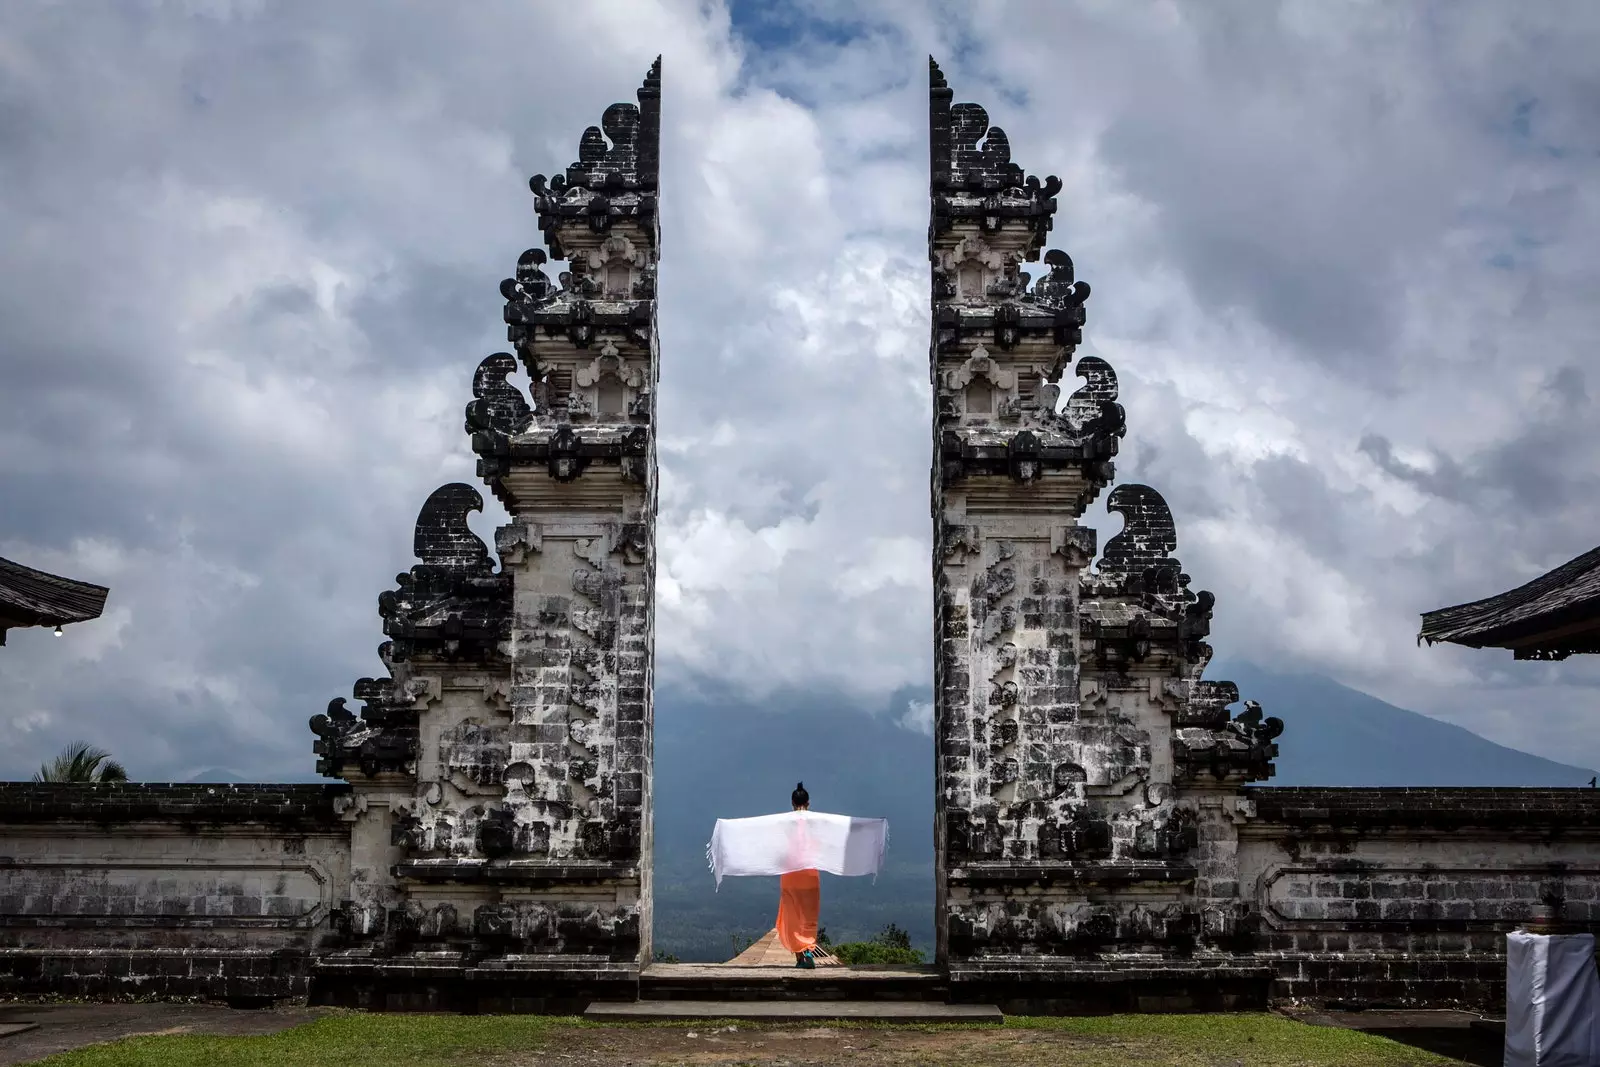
1404	896
125	890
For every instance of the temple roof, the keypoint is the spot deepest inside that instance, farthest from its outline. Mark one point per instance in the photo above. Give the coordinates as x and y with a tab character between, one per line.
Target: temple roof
35	598
1551	617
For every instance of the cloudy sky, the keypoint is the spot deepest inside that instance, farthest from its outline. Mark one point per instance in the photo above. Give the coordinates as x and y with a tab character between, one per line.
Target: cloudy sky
1345	259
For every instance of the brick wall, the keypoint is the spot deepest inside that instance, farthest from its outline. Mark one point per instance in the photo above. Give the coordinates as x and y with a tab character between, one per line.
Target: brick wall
1405	896
141	889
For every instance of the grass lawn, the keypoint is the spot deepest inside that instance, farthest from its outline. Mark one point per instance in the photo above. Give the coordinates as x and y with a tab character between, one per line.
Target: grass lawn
360	1040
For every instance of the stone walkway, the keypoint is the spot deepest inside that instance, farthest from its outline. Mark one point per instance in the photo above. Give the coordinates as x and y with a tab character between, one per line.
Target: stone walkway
64	1026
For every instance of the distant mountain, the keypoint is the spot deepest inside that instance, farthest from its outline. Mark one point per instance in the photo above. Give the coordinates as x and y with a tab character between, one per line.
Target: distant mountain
1335	735
216	776
717	756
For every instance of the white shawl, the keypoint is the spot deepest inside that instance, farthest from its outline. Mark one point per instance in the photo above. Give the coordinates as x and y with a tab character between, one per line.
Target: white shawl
797	841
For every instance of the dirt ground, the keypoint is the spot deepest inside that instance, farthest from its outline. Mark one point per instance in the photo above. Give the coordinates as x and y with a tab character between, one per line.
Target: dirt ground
63	1026
878	1047
625	1047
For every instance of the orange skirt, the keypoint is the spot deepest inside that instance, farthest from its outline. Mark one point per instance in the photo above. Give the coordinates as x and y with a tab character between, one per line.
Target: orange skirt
799	903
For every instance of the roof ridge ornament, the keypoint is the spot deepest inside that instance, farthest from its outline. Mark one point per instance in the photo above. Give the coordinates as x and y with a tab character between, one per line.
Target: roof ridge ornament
622	153
971	174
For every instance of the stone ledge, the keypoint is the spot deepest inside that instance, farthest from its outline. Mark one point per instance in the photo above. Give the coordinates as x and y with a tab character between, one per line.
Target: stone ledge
1044	969
1441	808
1024	986
242	975
499	985
1069	873
492	969
104	803
515	872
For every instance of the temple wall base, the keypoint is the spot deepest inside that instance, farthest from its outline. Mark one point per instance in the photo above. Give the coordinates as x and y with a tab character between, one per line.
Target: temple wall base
490	986
1027	985
1349	897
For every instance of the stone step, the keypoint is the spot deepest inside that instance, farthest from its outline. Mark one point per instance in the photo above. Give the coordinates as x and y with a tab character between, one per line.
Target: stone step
908	1011
723	982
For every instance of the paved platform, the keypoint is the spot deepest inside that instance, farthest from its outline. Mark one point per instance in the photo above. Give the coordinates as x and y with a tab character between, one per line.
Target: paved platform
727	982
796	1011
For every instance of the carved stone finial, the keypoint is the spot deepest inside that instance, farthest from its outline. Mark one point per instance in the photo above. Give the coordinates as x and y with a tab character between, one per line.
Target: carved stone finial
1093	407
972	176
622	153
443	538
500	406
1059	288
452	603
1141	554
525	292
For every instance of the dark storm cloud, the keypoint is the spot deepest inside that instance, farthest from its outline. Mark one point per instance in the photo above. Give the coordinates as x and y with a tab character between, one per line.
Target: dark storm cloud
1543	468
1344	267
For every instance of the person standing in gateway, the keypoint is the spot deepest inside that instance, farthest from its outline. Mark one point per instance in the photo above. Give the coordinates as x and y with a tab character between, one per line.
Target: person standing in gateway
799	900
796	846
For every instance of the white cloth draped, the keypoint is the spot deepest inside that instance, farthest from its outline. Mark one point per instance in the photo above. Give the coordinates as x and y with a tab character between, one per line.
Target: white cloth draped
797	841
1552	1001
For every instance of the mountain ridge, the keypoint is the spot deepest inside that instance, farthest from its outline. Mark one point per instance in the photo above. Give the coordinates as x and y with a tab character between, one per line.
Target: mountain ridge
719	756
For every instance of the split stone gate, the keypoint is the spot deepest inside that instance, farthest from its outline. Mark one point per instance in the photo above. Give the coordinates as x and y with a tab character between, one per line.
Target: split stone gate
1087	777
1097	842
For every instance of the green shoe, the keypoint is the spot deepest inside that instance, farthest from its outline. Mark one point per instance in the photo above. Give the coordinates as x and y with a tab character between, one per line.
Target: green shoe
804	960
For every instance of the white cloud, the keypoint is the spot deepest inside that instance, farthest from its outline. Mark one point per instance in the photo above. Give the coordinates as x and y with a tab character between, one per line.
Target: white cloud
253	260
918	717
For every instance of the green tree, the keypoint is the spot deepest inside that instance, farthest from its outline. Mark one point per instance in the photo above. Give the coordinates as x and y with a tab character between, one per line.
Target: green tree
891	945
82	762
893	937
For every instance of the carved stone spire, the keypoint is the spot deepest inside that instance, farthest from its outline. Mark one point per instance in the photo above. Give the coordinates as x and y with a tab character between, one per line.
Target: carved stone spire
1011	476
1076	746
588	338
515	724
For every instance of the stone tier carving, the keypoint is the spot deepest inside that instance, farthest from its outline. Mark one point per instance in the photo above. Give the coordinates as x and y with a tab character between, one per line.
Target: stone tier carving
615	176
382	739
1137	599
1137	615
1080	755
453	607
454	604
972	177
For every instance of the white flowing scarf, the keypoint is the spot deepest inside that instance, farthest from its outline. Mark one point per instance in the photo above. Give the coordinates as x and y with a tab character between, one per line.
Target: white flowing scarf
797	841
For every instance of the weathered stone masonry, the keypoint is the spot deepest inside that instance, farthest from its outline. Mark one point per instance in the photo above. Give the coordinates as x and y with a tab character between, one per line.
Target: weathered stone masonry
1404	896
503	807
1084	769
1098	842
133	889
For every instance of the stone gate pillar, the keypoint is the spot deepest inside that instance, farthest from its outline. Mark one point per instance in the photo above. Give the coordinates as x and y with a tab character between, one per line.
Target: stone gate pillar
501	810
1083	770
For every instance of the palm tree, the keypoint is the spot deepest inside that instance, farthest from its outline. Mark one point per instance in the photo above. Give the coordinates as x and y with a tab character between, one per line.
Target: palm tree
82	762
